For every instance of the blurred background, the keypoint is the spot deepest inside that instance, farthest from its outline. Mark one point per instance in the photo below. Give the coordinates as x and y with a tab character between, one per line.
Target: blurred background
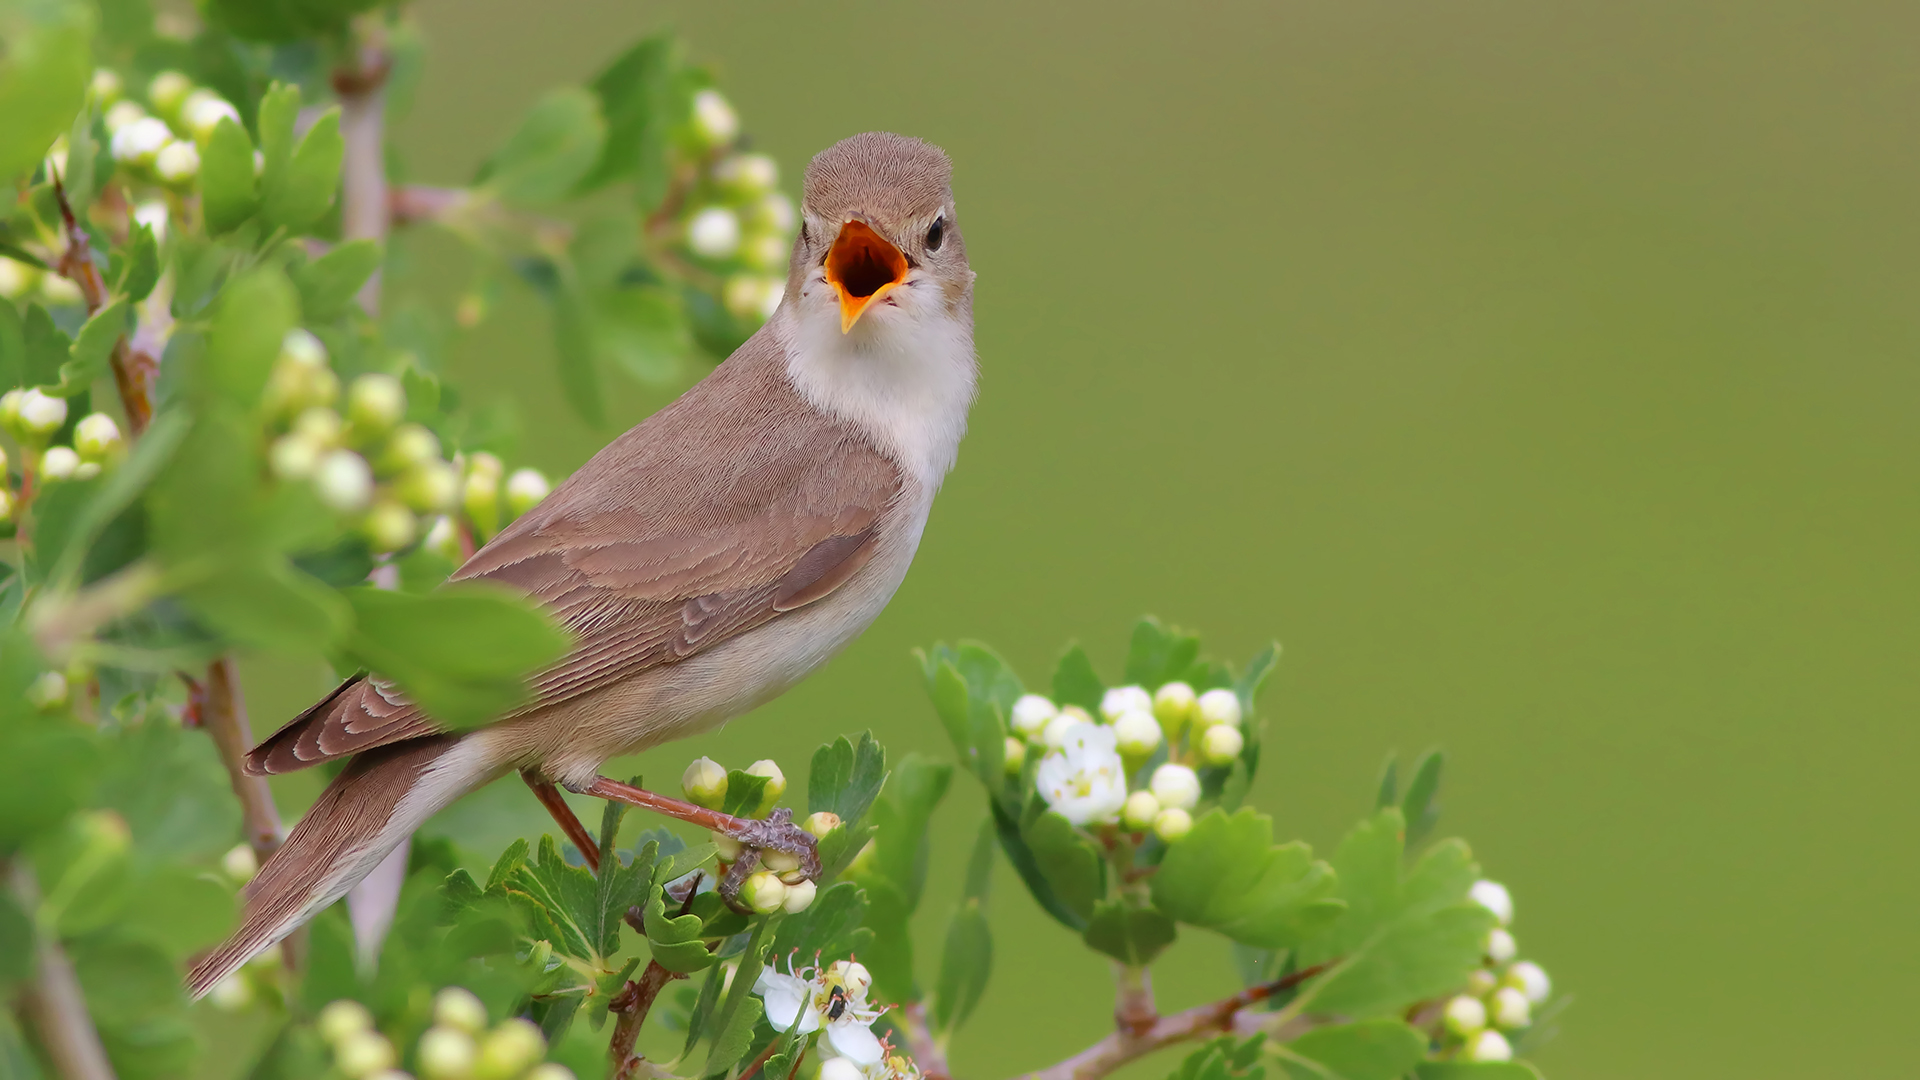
1541	376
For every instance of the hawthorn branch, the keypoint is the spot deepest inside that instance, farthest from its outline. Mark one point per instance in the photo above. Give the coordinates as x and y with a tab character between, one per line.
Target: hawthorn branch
926	1050
52	1001
223	710
133	370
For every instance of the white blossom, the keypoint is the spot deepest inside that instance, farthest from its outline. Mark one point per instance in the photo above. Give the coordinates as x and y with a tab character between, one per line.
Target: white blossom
714	233
1083	780
714	119
1031	713
140	141
1494	897
1123	698
808	998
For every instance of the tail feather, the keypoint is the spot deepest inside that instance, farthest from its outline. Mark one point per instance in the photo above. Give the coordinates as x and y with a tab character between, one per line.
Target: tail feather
378	801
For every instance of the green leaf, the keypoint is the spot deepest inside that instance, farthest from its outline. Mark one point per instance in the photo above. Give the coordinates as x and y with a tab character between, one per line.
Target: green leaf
731	1042
1131	935
266	604
462	653
1228	875
844	778
82	152
831	925
1247	687
642	330
965	963
279	111
573	340
46	769
901	816
254	313
1071	866
137	270
228	188
1223	1059
16	942
1157	655
1422	807
179	910
88	359
1076	683
744	791
972	691
283	20
1027	864
43	77
295	197
741	1012
329	283
45	348
636	93
1383	1049
1476	1070
555	145
674	942
13	348
169	786
1389	789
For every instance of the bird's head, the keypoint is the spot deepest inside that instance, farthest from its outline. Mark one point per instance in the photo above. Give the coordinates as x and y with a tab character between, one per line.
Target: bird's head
879	248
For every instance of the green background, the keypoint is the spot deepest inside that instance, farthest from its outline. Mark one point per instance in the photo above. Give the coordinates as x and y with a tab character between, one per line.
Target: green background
1541	375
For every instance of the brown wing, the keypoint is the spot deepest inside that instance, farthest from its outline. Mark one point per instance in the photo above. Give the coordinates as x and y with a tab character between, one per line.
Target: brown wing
733	505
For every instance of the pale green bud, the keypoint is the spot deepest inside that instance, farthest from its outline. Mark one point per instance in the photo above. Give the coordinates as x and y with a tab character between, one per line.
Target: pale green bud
168	91
1014	756
430	487
96	437
1465	1016
705	783
774	212
443	538
1219	706
480	497
746	175
231	994
294	457
1221	744
730	849
140	142
820	823
389	526
1173	706
765	893
1510	1009
48	691
86	470
202	112
482	463
713	233
1060	728
1481	982
154	215
1136	734
1140	811
447	1053
1122	699
1495	898
106	86
457	1008
340	1019
177	163
6	505
40	415
343	481
17	279
549	1071
409	445
1500	946
509	1050
525	489
10	411
1030	715
776	784
122	115
780	862
1172	823
375	402
1488	1046
799	897
1176	785
322	425
240	863
752	296
714	121
58	463
1531	979
765	251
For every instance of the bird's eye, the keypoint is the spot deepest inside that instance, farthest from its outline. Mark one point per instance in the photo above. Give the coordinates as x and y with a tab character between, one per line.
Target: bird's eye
804	238
936	234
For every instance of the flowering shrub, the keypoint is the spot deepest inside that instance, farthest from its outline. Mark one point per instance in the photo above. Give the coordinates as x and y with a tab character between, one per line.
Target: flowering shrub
227	426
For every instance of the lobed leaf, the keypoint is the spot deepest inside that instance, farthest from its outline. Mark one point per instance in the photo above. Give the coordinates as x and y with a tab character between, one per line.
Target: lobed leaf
1383	1049
1228	875
1133	935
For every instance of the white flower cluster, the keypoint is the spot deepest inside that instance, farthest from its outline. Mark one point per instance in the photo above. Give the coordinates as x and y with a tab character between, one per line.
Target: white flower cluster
34	419
385	476
459	1045
738	219
1501	996
832	1001
779	884
1086	763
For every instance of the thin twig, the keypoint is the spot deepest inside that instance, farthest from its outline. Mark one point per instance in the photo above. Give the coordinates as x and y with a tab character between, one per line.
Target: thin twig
224	714
365	212
133	372
765	1056
631	1005
53	1000
927	1052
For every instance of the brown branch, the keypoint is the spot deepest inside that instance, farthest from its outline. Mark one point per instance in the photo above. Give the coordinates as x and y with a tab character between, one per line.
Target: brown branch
133	371
223	711
765	1056
631	1005
1200	1022
365	211
53	1000
926	1051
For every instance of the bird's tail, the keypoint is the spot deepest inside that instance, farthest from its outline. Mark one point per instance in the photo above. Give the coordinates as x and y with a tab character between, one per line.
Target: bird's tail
379	800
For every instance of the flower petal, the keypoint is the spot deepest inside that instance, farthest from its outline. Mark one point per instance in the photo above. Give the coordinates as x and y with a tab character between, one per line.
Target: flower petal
852	1039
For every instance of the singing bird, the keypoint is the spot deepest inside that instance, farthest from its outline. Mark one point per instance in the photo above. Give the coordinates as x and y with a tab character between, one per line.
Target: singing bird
705	561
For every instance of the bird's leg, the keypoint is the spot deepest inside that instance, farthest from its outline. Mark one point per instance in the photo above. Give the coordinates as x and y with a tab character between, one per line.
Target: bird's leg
776	833
556	805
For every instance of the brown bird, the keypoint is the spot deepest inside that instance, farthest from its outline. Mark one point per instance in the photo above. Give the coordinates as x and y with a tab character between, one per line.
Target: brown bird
705	561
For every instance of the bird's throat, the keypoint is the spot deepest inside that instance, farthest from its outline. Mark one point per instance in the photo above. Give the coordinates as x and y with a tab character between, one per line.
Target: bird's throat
862	267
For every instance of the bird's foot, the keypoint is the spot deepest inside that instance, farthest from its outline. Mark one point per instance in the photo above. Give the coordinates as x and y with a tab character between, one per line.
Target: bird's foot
777	833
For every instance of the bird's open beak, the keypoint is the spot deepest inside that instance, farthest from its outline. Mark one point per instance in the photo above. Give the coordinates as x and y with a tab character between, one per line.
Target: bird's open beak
862	267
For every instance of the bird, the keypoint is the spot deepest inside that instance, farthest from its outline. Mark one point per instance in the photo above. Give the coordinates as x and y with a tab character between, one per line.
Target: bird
704	561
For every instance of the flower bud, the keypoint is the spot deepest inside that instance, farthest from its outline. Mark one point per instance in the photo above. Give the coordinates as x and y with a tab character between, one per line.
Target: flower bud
509	1050
343	481
96	437
341	1019
1172	823
1030	715
1500	946
106	86
40	415
294	457
525	489
430	487
779	862
1488	1046
58	463
6	506
714	121
727	847
480	497
443	539
1221	744
1510	1009
1465	1016
457	1008
839	1068
851	974
746	175
240	863
447	1054
774	212
1531	980
1123	698
548	1070
1173	706
705	783
154	215
799	897
765	251
140	142
323	426
1140	811
122	114
1481	982
17	279
168	91
1060	728
1218	706
1176	786
1136	734
202	112
231	994
48	691
820	823
177	163
764	892
407	446
1494	897
776	784
713	233
1013	756
375	402
389	526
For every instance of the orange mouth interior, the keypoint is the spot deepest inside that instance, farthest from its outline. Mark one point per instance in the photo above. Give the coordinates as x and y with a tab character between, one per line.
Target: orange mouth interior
862	267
